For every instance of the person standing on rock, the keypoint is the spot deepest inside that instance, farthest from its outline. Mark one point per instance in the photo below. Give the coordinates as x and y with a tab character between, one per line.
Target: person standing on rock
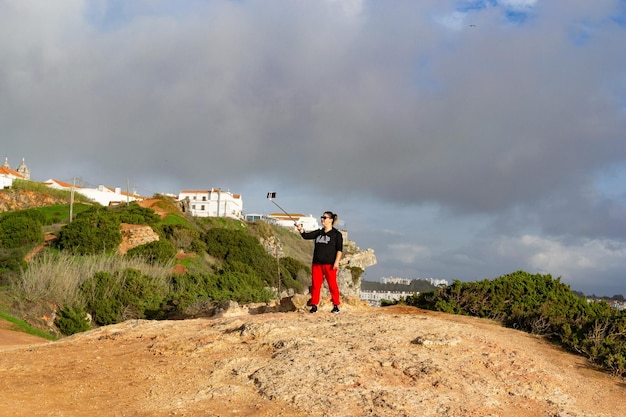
326	256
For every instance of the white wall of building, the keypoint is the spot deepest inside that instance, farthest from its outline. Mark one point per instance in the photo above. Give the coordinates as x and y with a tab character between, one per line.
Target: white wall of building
107	196
213	203
308	222
7	175
5	182
374	297
393	280
102	195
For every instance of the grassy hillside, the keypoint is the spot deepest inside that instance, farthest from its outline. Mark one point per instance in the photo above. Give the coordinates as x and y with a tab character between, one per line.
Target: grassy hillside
54	274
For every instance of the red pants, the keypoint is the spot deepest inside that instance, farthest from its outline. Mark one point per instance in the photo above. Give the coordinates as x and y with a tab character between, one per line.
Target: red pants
318	273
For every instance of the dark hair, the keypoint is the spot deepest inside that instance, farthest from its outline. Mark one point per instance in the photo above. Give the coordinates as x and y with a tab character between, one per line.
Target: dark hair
333	215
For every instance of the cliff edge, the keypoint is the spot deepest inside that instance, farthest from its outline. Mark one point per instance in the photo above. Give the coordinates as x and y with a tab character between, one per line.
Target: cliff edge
366	361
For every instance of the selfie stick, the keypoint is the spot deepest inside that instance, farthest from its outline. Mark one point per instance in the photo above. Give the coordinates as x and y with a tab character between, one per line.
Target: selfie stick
271	196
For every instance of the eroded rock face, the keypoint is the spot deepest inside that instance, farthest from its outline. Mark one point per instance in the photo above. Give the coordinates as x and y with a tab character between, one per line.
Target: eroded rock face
22	199
351	271
134	235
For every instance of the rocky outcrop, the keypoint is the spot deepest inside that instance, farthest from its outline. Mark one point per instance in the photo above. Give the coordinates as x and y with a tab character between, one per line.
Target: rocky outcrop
11	200
351	271
134	235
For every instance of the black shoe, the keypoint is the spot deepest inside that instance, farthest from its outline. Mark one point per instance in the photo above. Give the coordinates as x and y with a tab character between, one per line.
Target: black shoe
308	302
313	309
335	310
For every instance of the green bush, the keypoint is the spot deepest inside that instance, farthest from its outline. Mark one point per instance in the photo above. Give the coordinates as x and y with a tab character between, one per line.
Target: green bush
187	289
128	294
133	213
181	236
156	252
292	273
19	229
71	320
102	294
356	273
541	305
94	231
33	214
237	246
239	283
11	264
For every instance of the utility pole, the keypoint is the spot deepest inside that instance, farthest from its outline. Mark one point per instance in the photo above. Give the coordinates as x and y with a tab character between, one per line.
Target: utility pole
218	202
276	243
72	199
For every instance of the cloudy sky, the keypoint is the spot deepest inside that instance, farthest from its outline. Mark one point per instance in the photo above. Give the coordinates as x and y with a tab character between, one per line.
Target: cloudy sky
458	139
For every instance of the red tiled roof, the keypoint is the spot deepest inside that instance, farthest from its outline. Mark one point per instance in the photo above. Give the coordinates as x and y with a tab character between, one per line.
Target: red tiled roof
61	183
213	190
9	171
286	216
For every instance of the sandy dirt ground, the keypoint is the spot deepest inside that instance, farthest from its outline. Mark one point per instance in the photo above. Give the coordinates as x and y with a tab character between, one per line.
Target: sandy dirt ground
395	361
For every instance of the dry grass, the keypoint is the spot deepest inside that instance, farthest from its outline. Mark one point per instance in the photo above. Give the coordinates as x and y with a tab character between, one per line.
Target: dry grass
56	277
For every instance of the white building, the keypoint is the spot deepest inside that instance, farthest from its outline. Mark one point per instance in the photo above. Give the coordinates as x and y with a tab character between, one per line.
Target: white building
106	196
213	203
253	217
407	281
307	221
392	280
7	175
374	297
5	181
439	282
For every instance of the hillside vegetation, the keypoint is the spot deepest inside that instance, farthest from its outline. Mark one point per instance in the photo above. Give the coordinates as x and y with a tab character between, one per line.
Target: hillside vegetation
79	280
541	305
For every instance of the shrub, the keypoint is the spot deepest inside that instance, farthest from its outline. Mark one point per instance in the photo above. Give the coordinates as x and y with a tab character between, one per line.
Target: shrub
133	213
19	229
94	231
71	320
33	214
11	264
181	236
102	294
294	274
236	246
356	273
57	276
541	305
187	289
156	252
128	294
237	282
240	284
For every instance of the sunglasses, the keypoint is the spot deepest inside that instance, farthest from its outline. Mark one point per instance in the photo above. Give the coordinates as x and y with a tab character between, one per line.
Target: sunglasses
324	217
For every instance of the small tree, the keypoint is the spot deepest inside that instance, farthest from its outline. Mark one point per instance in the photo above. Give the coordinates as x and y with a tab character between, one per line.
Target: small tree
72	320
94	231
19	230
156	252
